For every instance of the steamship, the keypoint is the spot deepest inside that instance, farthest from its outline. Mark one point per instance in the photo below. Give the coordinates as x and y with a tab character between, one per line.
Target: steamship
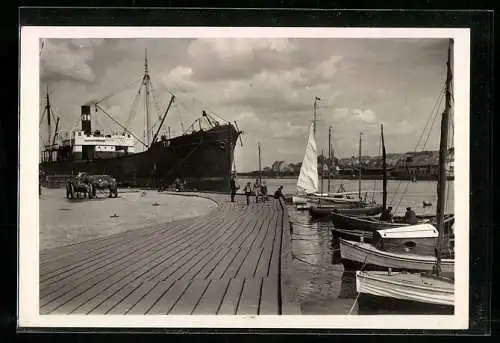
201	157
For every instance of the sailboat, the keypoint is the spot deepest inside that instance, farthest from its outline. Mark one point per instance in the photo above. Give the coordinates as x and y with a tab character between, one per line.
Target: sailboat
308	181
361	206
435	289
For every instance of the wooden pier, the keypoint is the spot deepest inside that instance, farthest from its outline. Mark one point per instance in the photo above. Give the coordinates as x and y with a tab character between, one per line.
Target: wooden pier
232	261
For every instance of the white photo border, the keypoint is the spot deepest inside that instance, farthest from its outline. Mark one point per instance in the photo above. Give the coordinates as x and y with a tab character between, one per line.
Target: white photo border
28	209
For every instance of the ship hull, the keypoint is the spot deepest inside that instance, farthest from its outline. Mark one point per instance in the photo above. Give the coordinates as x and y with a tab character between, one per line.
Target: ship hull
203	160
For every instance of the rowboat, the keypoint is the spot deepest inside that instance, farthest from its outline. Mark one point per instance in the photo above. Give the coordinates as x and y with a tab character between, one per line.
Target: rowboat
364	256
404	292
371	223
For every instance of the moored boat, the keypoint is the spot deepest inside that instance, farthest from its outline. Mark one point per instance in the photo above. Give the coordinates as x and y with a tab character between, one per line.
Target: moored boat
330	211
382	292
364	256
371	223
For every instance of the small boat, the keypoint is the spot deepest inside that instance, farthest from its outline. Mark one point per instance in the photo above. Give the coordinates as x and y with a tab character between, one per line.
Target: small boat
371	223
323	211
364	256
408	293
353	235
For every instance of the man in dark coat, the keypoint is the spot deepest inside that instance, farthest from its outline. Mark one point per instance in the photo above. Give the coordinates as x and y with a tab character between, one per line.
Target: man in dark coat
279	193
386	215
232	184
410	217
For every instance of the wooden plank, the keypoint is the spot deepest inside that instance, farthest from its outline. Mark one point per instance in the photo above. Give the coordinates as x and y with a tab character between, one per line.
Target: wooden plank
236	263
208	262
289	301
103	264
250	297
170	297
102	307
229	304
223	265
265	258
250	238
241	229
269	303
104	252
102	281
151	298
274	264
256	250
212	299
189	258
105	268
141	299
190	298
80	253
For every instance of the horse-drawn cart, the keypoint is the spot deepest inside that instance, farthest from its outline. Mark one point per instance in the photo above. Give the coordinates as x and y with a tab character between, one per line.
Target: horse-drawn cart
88	186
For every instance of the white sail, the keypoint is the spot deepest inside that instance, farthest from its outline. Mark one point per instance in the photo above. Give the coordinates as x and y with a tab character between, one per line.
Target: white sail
308	178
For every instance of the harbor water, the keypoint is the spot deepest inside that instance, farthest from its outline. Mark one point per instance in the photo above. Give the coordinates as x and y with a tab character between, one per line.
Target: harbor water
323	286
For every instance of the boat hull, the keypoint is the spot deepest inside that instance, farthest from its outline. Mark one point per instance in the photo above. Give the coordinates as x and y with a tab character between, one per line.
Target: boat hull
380	293
202	160
364	256
345	221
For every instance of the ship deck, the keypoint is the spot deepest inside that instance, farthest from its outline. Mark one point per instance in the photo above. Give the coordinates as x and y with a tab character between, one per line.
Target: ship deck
234	260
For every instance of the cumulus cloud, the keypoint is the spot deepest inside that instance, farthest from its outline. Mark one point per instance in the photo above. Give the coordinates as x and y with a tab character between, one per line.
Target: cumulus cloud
364	115
61	58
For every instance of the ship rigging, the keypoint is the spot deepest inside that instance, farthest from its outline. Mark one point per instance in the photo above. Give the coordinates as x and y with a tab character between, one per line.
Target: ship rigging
202	154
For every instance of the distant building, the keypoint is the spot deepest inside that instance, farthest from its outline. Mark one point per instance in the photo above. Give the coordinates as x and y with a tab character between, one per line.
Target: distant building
423	165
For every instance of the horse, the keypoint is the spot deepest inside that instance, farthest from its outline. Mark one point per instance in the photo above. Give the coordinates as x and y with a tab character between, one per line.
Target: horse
77	185
104	182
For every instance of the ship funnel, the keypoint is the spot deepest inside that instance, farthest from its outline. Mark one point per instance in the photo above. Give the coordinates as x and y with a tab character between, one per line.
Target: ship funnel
85	116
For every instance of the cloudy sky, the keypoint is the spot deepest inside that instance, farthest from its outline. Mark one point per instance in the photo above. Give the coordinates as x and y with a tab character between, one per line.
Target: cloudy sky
267	85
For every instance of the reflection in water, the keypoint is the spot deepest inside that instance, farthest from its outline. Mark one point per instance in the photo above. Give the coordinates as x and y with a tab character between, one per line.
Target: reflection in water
322	284
348	286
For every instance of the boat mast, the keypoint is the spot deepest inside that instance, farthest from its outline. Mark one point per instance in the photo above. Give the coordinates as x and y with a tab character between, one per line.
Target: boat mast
384	170
329	155
47	109
146	81
260	170
359	169
322	169
443	149
314	118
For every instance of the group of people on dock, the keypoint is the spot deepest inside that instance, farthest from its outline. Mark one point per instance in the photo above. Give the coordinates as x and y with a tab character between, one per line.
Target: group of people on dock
258	189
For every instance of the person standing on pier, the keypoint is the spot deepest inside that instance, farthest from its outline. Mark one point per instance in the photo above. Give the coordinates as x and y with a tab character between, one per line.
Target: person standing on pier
233	186
279	193
256	189
248	191
264	191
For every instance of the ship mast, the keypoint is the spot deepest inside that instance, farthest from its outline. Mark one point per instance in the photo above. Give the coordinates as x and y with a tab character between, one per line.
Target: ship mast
384	169
146	81
47	109
443	149
260	165
329	155
316	99
359	169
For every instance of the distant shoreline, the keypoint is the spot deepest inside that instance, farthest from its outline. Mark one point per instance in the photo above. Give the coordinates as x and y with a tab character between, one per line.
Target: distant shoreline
288	177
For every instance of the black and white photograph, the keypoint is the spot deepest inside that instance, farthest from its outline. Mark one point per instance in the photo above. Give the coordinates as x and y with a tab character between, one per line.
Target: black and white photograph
244	177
